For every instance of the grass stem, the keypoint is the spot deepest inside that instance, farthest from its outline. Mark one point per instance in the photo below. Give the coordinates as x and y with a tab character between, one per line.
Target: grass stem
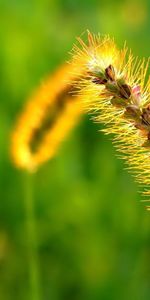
31	238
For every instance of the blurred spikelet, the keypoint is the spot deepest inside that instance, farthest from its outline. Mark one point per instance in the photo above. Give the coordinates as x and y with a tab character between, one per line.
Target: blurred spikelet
116	89
47	118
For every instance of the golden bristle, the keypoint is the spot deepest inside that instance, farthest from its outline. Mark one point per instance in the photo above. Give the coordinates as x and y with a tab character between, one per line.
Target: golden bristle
114	88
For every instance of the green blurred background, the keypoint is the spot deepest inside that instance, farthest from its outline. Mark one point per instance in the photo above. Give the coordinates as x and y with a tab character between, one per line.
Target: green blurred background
93	233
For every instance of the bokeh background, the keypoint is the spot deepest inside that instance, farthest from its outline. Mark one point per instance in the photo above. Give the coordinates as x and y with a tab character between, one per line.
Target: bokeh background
93	233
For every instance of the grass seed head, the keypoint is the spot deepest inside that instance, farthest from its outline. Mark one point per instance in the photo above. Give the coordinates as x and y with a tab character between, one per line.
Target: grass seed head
116	90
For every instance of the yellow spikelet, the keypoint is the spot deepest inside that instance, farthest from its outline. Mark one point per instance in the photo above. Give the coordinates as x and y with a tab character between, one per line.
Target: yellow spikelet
115	87
47	118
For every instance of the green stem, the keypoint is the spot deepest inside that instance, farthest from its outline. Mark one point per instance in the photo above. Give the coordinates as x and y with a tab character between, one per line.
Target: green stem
31	238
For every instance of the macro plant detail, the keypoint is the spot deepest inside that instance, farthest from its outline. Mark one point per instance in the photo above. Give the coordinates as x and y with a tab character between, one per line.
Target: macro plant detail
116	89
107	82
75	148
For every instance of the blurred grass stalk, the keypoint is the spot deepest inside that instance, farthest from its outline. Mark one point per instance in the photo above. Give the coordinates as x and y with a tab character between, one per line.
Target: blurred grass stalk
31	237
